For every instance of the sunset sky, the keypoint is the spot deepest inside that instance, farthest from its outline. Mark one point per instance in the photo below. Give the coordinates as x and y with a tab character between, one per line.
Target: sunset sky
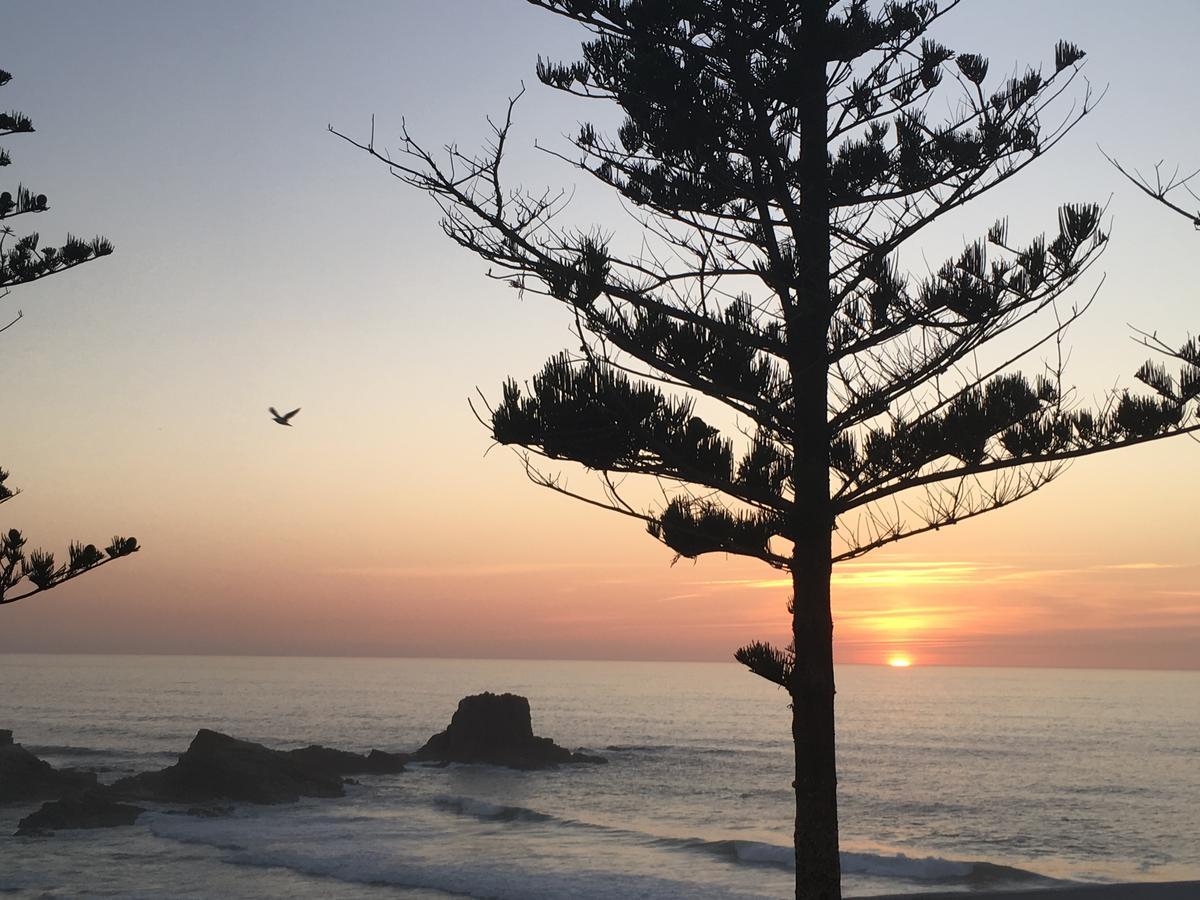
261	261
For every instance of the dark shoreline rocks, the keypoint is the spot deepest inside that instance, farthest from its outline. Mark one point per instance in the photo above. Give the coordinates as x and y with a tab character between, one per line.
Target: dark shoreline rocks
217	769
24	777
343	762
497	729
91	809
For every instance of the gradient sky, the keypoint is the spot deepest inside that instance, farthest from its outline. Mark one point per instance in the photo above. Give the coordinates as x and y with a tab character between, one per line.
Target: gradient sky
262	261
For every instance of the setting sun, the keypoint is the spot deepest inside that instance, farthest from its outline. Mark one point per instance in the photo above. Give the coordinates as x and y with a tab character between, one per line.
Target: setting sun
899	662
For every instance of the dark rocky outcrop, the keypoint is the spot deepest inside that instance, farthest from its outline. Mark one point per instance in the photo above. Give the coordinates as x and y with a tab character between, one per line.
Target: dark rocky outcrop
91	809
329	761
219	767
496	729
24	777
205	812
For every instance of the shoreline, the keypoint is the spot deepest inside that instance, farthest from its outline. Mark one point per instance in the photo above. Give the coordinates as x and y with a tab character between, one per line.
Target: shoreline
1164	890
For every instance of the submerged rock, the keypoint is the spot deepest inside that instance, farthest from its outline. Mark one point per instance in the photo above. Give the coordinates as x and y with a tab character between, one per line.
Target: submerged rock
92	809
497	729
24	777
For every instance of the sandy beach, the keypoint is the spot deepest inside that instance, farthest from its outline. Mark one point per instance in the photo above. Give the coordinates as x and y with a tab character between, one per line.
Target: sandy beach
1173	890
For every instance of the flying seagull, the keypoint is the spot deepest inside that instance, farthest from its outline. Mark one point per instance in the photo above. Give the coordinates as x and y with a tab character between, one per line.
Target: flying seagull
284	419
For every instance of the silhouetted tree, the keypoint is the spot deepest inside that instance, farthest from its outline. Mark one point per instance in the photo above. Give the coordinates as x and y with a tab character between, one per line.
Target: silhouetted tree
22	261
779	155
1165	189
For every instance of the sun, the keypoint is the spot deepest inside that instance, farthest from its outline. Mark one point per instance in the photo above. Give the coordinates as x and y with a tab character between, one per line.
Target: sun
899	662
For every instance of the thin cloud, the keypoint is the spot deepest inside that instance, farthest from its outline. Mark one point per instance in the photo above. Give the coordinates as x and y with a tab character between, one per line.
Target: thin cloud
484	571
917	573
1145	565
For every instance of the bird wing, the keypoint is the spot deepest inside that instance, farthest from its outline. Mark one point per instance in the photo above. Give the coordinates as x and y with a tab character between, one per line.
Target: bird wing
292	413
273	411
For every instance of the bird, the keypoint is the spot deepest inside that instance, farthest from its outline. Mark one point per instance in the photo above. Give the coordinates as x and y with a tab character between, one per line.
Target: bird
284	419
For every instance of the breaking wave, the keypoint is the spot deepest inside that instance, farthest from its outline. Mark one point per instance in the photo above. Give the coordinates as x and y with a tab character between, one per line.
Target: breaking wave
923	869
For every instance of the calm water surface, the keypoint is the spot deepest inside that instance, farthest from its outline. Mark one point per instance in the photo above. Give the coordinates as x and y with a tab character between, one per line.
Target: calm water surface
983	778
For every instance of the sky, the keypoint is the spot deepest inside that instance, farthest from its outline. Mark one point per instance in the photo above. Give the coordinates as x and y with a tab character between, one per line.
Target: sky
261	261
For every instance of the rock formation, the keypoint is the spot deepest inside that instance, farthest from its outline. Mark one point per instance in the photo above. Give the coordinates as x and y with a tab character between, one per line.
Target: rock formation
496	729
91	809
341	762
24	777
219	767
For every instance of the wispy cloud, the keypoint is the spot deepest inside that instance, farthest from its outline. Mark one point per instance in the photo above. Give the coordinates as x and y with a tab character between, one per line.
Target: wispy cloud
927	573
891	574
1145	565
461	571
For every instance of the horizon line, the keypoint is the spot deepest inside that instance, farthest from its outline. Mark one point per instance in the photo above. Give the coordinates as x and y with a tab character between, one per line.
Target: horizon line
539	659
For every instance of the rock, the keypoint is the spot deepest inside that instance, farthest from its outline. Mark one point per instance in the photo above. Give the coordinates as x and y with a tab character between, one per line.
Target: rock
24	777
91	809
215	767
209	812
384	763
496	729
328	761
219	767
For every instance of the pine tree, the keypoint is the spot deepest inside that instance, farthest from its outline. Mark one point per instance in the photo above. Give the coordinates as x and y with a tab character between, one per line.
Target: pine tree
780	155
1167	190
23	574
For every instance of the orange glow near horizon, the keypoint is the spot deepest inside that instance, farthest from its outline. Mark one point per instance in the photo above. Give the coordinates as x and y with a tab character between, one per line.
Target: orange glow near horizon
899	661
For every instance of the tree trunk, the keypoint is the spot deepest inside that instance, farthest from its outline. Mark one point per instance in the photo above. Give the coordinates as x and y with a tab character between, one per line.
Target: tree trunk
818	867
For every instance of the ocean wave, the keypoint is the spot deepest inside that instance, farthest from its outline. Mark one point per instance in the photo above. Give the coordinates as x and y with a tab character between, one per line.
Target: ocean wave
66	750
899	866
481	809
386	853
685	750
973	873
349	839
754	853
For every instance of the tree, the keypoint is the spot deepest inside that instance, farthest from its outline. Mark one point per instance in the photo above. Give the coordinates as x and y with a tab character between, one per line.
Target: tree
22	261
1166	189
779	159
1163	187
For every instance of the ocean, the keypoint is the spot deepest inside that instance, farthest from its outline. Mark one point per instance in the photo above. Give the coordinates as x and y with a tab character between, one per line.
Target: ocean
950	778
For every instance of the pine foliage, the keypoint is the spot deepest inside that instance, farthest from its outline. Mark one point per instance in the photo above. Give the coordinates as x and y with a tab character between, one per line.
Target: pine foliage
709	150
786	386
24	573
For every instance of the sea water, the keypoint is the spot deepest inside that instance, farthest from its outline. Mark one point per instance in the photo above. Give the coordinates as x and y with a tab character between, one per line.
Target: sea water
948	778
